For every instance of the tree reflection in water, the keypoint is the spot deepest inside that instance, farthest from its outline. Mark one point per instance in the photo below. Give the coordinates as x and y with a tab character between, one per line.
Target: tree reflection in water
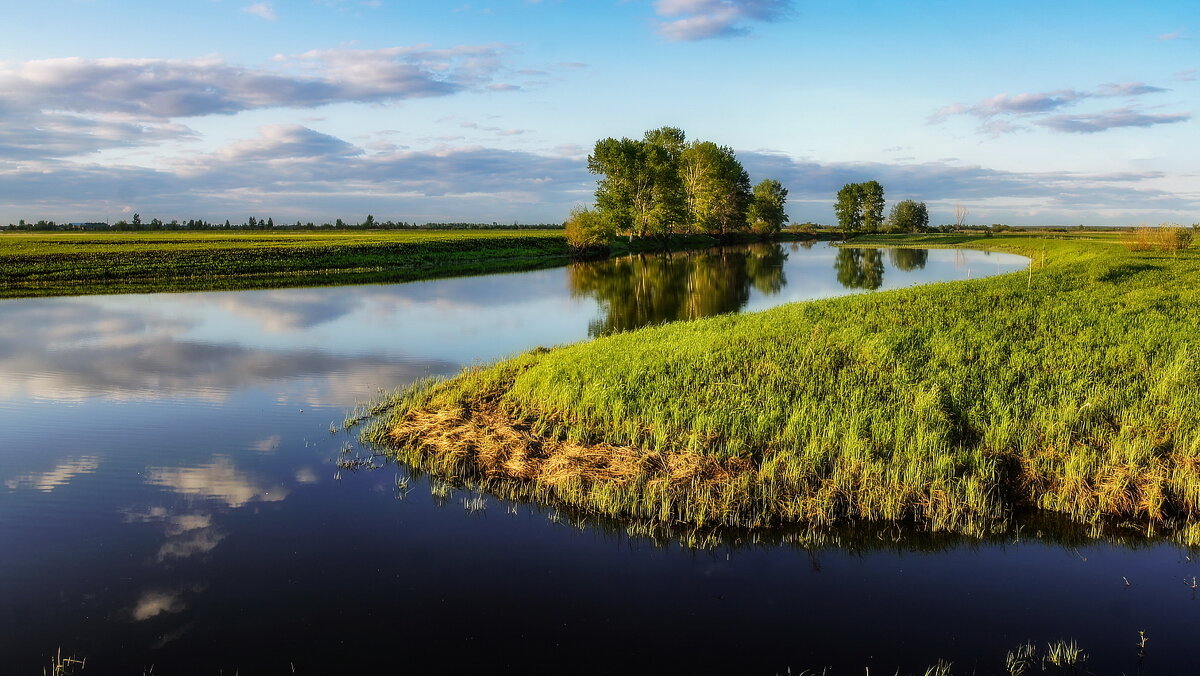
908	259
644	289
859	268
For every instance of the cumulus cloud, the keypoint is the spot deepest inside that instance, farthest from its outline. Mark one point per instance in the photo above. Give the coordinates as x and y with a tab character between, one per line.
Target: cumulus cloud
685	20
66	107
33	135
287	142
173	88
1005	113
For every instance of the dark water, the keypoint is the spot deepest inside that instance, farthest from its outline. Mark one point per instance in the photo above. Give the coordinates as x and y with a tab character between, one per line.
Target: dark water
169	498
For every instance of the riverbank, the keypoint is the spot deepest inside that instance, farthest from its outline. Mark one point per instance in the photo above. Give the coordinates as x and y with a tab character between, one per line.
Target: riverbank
1070	389
46	264
62	264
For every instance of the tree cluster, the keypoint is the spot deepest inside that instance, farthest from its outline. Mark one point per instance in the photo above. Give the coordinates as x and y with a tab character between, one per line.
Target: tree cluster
909	216
859	208
662	184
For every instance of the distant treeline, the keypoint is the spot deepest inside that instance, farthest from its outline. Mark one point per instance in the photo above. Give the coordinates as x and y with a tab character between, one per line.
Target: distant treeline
136	224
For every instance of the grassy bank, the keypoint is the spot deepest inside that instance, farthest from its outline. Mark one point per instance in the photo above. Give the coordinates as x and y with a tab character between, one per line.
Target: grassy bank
953	406
67	263
75	263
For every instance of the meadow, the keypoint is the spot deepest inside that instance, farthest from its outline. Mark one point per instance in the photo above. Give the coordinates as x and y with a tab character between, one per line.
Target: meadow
1069	390
42	264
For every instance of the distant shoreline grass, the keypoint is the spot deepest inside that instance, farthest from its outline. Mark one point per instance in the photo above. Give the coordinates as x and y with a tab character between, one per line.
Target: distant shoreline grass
84	263
45	264
1073	389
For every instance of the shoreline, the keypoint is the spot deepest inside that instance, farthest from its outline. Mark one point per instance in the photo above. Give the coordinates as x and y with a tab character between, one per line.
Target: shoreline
921	420
76	264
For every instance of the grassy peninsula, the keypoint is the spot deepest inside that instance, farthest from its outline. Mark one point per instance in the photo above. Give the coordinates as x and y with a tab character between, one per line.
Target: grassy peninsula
1073	388
64	263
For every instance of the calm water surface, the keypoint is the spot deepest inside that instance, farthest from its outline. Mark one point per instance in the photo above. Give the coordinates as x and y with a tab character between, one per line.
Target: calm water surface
169	498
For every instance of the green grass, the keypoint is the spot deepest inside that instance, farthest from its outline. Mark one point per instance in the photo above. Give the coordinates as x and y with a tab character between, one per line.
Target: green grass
38	264
954	406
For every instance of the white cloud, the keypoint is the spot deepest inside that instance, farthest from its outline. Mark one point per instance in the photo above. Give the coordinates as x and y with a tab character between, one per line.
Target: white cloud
173	88
1093	123
686	20
262	10
1037	108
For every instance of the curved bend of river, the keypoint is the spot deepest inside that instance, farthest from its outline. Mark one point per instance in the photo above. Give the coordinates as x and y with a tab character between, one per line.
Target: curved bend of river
170	498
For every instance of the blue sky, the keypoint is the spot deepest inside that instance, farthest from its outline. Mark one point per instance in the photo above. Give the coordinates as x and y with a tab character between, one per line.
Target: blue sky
1025	112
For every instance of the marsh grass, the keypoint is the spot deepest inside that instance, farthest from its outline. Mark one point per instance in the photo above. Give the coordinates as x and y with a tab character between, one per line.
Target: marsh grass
1073	389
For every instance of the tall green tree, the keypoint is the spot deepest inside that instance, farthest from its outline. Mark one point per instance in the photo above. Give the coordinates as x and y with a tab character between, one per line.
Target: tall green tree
634	193
872	206
766	214
664	148
716	187
848	209
859	207
909	216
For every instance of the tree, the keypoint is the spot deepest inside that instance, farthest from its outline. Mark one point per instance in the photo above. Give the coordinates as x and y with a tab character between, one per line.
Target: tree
587	229
252	222
909	216
369	222
716	186
872	204
633	175
960	215
766	213
137	219
664	147
848	210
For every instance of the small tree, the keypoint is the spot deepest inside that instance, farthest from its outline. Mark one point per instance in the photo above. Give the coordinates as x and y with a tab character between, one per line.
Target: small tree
587	229
910	216
766	213
960	216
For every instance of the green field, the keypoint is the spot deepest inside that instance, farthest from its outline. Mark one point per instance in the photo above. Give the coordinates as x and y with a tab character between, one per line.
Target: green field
1073	389
37	264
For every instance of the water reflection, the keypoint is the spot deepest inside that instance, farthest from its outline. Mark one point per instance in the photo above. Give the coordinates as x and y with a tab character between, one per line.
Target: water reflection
650	289
159	440
908	259
859	268
218	480
61	475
